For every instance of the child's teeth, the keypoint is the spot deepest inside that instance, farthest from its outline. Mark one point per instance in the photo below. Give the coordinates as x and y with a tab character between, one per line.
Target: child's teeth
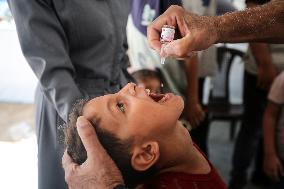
148	91
163	99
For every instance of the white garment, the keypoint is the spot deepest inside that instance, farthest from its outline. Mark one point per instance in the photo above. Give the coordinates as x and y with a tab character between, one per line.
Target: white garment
277	53
196	6
207	62
207	58
141	56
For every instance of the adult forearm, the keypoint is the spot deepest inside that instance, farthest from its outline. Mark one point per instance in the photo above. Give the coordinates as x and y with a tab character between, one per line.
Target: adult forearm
192	78
261	53
258	24
269	134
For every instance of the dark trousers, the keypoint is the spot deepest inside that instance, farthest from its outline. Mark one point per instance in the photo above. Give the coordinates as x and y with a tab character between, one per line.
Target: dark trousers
50	148
250	133
200	134
280	184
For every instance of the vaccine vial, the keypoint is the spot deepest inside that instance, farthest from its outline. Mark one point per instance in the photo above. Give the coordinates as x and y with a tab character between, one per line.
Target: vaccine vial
167	35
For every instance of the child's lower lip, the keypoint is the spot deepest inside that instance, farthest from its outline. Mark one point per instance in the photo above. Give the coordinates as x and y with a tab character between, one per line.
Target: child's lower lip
161	98
166	98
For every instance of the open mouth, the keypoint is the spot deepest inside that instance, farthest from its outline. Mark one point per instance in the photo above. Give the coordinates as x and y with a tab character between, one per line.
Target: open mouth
160	98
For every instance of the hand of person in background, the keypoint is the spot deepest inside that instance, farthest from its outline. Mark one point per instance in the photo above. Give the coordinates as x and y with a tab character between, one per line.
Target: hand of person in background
273	167
266	75
195	113
197	32
98	171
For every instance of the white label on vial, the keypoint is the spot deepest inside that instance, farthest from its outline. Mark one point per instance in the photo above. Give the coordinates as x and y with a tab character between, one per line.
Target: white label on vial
167	34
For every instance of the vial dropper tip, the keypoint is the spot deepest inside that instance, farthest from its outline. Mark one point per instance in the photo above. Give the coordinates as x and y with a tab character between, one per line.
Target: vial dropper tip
163	60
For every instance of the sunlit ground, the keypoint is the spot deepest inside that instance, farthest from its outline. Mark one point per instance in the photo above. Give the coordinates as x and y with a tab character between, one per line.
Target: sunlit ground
18	149
18	162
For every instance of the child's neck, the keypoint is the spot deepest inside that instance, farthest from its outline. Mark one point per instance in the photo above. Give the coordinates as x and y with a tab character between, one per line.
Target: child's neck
192	163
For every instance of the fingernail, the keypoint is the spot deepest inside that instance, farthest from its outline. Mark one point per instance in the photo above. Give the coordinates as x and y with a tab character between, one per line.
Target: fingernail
81	121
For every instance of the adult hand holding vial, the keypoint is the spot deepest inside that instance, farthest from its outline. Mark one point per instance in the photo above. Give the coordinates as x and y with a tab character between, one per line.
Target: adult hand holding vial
200	32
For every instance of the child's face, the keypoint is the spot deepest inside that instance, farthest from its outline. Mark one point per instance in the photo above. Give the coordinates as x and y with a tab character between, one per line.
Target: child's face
133	113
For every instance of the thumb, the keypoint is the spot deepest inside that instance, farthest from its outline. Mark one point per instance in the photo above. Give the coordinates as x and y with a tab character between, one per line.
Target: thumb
179	48
88	136
66	161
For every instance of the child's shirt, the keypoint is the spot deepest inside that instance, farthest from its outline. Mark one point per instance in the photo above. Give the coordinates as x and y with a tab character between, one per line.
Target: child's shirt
175	180
276	95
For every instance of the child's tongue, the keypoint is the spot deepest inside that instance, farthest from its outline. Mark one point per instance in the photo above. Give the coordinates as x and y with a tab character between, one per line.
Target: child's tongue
156	97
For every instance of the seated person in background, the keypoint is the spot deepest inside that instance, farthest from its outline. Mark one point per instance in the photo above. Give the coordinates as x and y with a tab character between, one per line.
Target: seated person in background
273	129
143	136
150	79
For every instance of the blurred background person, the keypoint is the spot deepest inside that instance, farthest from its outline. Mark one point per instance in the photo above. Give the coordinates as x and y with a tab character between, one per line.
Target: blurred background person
273	133
74	54
206	61
262	64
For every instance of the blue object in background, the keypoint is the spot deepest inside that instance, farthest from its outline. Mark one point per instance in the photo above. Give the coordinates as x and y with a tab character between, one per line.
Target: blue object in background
143	12
5	12
206	3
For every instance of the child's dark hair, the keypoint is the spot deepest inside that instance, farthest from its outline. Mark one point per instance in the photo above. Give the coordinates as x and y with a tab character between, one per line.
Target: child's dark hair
146	73
119	150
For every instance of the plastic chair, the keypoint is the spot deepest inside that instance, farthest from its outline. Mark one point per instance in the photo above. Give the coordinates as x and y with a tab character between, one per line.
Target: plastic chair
219	106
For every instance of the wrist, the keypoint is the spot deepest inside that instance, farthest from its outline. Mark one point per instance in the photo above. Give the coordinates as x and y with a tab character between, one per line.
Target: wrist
216	29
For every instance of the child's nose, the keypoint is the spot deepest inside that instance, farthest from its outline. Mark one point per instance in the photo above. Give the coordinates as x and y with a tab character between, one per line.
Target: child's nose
129	89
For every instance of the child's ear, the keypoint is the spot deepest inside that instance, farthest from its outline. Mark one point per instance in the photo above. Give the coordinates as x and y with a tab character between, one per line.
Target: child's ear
143	157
